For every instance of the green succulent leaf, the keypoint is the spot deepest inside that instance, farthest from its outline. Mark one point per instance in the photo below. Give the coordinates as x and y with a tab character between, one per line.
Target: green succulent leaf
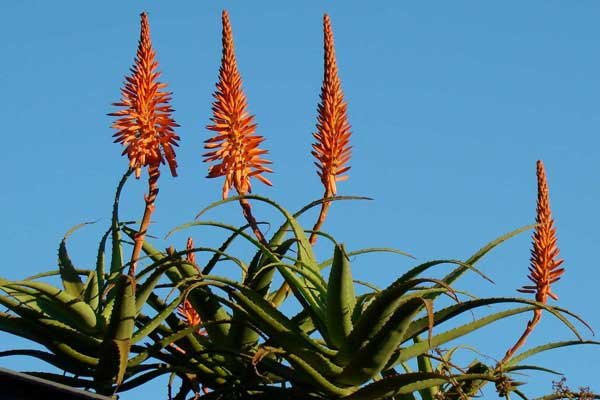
340	298
117	340
457	272
406	384
150	326
372	356
414	350
368	250
549	346
100	256
91	295
70	278
380	309
63	305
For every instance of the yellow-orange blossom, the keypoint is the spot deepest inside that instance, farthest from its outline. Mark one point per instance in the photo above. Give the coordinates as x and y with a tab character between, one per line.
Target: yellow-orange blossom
235	144
145	127
332	147
544	269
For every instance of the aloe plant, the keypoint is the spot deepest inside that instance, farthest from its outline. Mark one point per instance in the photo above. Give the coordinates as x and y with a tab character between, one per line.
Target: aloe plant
114	328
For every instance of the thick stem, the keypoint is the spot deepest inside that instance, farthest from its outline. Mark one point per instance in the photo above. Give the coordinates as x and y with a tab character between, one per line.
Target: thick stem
247	211
154	174
537	316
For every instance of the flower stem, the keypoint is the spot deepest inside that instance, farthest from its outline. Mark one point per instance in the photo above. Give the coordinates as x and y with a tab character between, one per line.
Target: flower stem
247	211
537	316
154	174
321	219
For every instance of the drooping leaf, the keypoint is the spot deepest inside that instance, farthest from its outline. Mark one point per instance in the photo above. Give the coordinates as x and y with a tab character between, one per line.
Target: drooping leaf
454	275
407	383
407	353
545	347
73	309
353	253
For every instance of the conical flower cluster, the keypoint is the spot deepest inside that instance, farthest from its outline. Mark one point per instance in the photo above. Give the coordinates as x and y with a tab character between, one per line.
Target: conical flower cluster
235	144
332	147
544	269
145	126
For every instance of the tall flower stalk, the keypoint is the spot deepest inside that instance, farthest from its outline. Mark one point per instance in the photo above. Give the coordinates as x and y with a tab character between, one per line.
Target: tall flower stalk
332	147
544	269
145	127
235	145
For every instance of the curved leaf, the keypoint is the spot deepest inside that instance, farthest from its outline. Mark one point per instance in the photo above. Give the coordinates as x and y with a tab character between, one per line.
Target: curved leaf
70	278
545	347
78	312
408	383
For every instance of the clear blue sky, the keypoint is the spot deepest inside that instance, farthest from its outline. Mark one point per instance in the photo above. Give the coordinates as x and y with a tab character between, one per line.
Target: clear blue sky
451	104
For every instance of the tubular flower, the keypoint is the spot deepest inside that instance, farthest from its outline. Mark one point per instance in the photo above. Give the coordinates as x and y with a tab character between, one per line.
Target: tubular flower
544	269
332	149
144	125
235	144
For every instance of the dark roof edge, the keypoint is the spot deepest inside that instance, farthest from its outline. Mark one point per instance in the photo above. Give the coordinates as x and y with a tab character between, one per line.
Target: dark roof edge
58	387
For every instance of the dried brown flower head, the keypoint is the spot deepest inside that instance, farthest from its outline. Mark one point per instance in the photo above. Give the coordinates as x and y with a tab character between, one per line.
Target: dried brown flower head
145	126
544	269
235	144
332	147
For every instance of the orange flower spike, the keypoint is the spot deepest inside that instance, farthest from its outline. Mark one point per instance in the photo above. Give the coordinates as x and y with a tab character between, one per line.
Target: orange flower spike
544	269
235	144
144	125
332	147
